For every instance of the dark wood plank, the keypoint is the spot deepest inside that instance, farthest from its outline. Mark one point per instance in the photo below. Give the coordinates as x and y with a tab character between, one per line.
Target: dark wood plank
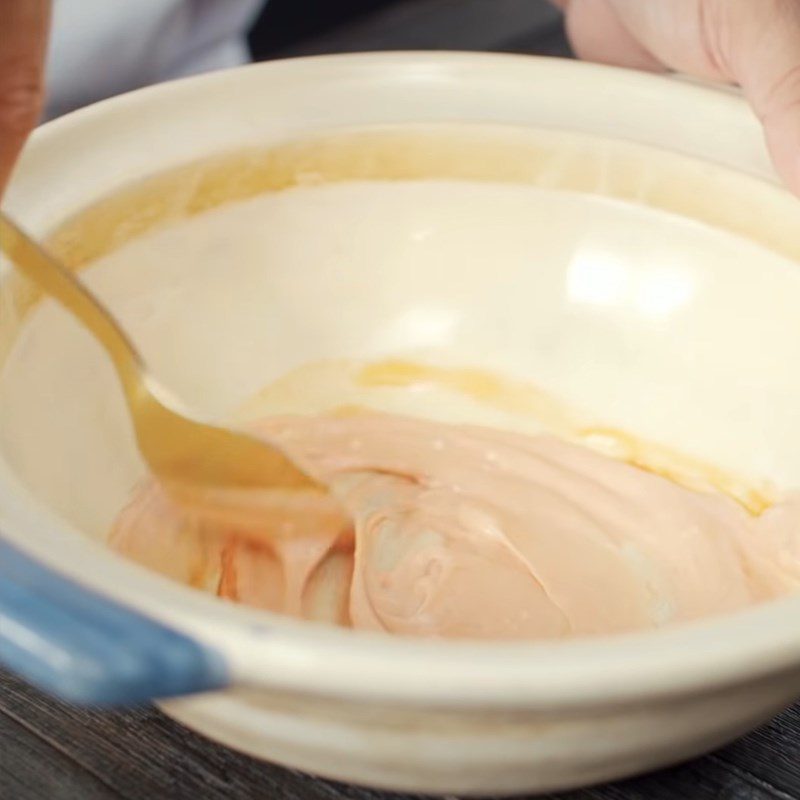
772	752
32	769
97	755
702	779
439	25
144	754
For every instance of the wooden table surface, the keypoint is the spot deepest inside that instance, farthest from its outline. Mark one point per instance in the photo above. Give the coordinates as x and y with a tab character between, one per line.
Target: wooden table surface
49	751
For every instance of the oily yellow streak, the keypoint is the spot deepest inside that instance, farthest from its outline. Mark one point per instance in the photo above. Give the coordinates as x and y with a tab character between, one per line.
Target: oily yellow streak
521	398
682	469
505	394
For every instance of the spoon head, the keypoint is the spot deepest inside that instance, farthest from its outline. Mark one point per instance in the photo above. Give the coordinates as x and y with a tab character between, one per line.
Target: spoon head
186	452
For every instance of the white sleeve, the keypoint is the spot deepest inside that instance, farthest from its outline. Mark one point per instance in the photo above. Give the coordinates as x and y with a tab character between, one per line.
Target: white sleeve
101	48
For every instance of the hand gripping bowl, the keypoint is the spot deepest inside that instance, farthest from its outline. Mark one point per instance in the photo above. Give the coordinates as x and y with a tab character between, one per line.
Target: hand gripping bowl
659	292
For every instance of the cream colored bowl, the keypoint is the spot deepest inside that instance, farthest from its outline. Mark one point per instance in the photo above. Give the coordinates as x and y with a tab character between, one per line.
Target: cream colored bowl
617	238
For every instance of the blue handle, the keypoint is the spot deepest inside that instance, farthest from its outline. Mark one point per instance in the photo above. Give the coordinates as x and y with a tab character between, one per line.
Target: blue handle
89	650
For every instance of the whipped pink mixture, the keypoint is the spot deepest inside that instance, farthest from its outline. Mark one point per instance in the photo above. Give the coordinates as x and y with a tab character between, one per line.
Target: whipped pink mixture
464	531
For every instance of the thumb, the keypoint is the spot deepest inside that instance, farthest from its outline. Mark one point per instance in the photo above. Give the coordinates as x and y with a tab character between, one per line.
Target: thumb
597	32
23	44
760	44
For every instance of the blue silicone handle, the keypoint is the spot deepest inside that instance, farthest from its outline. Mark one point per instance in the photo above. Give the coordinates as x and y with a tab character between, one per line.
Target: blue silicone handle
89	650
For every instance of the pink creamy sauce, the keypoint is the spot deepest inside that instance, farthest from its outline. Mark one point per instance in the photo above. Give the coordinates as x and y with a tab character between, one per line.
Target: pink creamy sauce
429	529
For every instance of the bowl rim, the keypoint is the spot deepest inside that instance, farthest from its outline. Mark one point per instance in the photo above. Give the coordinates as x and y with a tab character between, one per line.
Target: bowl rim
265	650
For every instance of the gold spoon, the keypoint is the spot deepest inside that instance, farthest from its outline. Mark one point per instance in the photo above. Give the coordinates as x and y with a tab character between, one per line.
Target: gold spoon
185	453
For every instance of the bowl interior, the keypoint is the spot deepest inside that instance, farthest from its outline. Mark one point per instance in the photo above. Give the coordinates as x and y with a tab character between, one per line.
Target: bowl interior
655	292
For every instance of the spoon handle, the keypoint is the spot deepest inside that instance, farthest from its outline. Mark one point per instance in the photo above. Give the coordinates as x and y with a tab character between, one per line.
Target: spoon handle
54	278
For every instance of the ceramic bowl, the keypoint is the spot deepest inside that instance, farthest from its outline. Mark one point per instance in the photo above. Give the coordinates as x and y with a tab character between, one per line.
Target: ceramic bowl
654	285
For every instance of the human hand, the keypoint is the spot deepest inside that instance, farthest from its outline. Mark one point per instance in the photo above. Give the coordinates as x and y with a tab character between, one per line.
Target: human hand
23	45
752	43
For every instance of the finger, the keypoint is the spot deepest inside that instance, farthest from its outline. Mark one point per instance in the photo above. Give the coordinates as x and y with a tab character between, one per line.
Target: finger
762	51
597	33
23	44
